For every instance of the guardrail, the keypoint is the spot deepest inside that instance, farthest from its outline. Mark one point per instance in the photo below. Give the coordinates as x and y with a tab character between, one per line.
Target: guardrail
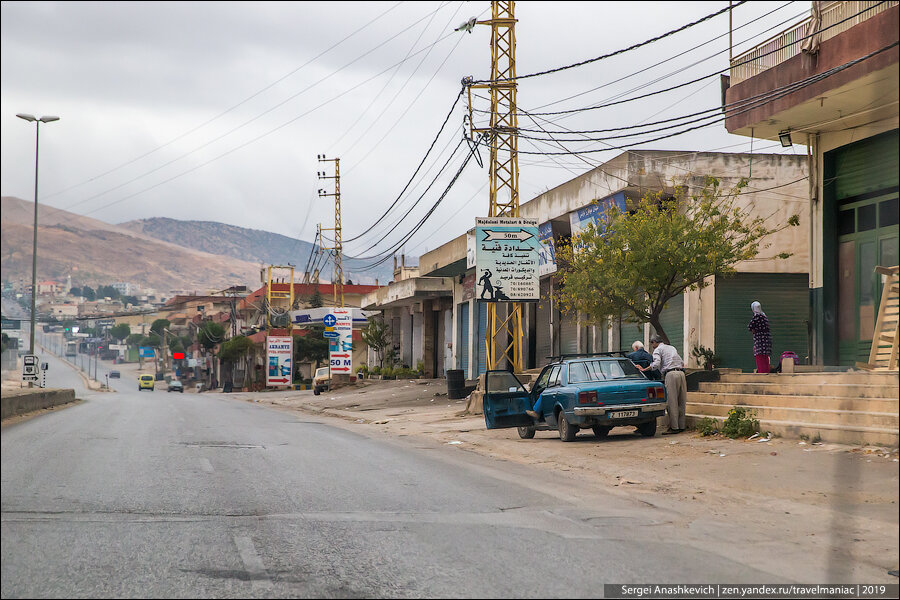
787	44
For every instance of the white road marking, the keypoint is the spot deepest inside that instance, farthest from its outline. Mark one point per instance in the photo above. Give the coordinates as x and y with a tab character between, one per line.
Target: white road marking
253	563
206	465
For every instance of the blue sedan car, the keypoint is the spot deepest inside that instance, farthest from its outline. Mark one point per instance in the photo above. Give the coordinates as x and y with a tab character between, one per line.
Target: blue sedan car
596	392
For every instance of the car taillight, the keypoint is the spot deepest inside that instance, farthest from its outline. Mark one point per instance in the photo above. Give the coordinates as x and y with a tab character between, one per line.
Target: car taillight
587	397
655	392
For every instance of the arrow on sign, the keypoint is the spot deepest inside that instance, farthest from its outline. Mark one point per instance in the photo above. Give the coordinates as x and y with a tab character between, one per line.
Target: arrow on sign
521	235
340	368
341	355
278	380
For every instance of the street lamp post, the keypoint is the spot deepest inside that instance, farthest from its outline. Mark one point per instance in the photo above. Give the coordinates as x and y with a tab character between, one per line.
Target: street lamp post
37	141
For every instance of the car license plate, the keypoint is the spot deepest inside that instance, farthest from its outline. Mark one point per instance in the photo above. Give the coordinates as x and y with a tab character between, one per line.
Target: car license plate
623	414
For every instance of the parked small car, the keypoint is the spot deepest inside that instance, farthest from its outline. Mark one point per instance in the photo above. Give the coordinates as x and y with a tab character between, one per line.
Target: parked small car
146	382
176	386
115	375
592	391
321	380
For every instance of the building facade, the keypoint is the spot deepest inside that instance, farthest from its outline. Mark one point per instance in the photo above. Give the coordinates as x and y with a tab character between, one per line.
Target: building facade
435	318
843	66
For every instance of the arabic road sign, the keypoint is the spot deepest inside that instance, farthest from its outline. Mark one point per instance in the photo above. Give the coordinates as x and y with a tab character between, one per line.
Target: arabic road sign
507	253
30	367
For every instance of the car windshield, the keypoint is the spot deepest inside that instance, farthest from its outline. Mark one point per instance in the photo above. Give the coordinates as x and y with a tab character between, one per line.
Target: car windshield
602	370
322	372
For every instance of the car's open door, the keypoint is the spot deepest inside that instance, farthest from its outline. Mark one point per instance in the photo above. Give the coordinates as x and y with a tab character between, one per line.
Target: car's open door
505	401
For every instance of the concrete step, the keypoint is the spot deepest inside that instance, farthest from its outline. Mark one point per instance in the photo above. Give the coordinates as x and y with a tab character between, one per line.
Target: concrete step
840	390
878	405
836	434
849	418
850	377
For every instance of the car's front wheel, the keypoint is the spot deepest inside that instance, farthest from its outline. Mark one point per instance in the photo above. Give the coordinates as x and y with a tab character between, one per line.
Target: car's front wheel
567	431
316	391
647	429
526	432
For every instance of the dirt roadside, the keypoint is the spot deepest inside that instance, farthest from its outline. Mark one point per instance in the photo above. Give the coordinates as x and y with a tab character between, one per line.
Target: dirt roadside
799	491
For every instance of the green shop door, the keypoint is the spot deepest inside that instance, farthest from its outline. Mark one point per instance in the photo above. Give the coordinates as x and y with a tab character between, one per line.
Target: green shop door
866	200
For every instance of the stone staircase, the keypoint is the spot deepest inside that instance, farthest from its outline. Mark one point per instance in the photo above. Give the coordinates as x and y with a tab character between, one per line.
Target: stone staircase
859	408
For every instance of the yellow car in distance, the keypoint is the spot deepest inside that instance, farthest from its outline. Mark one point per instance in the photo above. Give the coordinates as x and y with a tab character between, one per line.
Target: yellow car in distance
145	382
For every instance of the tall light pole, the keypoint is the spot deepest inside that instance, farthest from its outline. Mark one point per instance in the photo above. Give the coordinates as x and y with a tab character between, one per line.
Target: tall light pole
37	141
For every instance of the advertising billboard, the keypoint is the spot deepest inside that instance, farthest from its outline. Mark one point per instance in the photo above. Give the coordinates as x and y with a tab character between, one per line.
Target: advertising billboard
279	360
339	331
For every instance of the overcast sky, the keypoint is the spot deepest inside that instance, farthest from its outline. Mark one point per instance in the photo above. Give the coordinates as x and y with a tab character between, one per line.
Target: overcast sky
217	110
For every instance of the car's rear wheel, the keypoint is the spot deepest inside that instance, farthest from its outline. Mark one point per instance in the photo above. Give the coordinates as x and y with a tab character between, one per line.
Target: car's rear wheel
316	391
600	431
647	429
526	432
567	431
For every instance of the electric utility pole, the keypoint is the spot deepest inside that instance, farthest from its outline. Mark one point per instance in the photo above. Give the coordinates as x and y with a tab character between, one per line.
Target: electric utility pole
338	277
504	334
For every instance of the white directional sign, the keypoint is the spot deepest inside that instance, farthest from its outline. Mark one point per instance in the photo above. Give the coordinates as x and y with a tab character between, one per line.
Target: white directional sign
341	347
30	368
507	253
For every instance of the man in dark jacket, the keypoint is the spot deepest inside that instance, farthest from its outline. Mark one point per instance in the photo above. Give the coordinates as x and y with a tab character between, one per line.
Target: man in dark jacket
642	358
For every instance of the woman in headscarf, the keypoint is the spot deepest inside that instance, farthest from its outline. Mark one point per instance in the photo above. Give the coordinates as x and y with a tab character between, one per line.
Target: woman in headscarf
762	338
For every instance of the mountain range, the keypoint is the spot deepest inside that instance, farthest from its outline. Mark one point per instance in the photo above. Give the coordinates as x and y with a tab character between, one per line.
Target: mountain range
164	254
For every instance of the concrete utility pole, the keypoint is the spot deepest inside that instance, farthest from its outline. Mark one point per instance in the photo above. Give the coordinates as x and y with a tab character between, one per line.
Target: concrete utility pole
504	335
338	277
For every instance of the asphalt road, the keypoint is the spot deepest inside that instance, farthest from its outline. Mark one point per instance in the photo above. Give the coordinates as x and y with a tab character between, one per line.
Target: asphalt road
151	494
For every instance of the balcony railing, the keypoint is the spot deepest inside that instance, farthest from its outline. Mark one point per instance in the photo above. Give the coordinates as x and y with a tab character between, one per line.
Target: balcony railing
786	45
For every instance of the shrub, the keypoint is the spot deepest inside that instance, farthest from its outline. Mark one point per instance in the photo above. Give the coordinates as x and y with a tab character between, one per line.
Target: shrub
420	368
740	423
376	370
387	372
707	426
362	369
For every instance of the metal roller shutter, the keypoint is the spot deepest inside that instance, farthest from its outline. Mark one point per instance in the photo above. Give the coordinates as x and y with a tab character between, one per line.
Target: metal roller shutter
481	336
568	334
784	298
628	333
866	167
672	321
542	325
462	339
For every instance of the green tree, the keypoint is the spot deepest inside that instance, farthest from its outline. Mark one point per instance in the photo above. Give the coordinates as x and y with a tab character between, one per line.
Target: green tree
316	300
311	347
87	292
158	326
234	351
209	334
639	261
107	291
134	339
377	335
130	300
120	331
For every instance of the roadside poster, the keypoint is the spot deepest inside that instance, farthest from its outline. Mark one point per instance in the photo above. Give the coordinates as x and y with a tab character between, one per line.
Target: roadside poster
595	213
341	344
547	259
279	360
147	352
507	256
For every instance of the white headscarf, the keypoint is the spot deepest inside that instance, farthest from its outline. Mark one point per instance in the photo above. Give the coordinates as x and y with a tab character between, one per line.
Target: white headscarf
756	307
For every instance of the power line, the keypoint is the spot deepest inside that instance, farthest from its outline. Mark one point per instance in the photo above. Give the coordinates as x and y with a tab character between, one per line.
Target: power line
617	52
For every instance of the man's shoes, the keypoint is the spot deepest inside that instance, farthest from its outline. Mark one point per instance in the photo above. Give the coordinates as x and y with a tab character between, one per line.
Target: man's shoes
532	414
672	431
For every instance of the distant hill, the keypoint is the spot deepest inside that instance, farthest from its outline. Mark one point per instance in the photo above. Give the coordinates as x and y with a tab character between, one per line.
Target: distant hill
97	253
250	244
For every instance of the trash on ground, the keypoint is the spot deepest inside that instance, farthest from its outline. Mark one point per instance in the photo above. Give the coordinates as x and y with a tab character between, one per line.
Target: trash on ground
773	453
454	442
755	435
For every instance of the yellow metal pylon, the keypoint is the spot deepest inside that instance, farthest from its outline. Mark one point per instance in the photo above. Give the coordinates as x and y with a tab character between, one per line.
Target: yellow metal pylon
504	334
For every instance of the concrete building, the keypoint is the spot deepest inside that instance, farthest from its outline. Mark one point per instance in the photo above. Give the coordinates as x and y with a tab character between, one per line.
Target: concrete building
436	319
847	116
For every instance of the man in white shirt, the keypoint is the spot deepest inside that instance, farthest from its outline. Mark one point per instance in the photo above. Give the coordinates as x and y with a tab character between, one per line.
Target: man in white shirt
669	363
